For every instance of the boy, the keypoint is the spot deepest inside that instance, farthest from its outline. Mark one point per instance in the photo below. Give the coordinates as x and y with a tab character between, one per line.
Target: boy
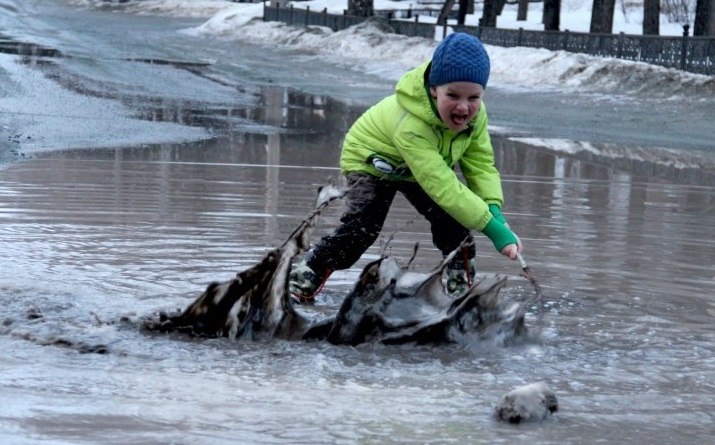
410	142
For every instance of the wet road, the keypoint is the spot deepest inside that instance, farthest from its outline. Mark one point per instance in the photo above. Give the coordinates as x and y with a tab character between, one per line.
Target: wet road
96	238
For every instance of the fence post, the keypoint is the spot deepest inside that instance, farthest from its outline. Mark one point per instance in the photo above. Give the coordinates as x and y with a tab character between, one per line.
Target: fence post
290	15
621	36
684	51
307	14
566	39
521	36
325	16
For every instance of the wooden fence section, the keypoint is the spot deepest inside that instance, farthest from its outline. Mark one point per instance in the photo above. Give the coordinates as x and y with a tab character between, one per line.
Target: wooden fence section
693	54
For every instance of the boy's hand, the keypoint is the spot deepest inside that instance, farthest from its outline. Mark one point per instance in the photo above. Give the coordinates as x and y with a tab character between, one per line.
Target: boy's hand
511	250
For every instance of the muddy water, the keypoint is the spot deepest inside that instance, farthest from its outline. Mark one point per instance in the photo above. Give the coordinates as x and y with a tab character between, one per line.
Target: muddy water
93	240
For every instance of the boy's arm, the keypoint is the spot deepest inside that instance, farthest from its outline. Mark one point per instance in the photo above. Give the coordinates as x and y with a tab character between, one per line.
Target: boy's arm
419	150
440	182
483	178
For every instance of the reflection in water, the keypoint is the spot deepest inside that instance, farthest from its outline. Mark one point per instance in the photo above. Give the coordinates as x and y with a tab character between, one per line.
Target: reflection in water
603	224
243	110
275	109
625	260
30	52
617	232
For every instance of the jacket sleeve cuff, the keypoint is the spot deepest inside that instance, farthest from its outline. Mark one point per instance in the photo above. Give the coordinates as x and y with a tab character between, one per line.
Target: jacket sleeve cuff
500	235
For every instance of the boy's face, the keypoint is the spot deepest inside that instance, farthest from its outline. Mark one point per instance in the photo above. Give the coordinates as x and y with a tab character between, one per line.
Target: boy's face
457	103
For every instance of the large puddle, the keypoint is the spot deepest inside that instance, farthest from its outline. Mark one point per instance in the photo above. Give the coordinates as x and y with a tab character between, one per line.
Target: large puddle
91	236
619	237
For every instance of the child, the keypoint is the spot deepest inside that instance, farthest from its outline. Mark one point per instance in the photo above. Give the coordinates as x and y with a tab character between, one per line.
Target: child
410	142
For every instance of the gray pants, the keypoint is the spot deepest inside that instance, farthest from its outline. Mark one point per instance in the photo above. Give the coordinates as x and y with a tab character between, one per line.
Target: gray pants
367	202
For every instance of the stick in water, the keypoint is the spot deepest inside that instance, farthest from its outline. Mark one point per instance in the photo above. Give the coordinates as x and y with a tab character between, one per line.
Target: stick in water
539	297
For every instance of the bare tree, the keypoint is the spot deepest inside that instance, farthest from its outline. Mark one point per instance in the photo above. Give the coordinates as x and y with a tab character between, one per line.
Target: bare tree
521	12
463	10
361	8
651	17
678	11
489	14
552	15
704	18
500	6
444	13
602	16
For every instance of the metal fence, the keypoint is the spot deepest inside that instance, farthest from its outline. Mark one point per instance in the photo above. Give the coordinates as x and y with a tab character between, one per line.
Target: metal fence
306	17
693	54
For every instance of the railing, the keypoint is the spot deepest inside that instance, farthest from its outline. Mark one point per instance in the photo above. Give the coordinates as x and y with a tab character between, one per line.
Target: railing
306	17
693	54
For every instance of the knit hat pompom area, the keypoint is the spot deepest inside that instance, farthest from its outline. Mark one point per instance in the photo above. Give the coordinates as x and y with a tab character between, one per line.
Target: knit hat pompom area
460	57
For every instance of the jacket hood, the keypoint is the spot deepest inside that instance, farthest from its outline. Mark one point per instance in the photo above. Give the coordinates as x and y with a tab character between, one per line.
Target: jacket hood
413	94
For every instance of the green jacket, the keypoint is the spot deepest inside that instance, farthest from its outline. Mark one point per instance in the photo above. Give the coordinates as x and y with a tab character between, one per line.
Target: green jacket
406	130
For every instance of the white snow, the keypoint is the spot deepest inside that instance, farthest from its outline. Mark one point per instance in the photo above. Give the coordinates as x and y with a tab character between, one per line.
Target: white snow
390	55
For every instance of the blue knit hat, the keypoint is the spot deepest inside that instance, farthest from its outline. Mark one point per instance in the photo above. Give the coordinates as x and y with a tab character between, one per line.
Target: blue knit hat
459	58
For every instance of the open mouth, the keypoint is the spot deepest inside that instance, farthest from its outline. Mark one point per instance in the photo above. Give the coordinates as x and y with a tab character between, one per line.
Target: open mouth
459	120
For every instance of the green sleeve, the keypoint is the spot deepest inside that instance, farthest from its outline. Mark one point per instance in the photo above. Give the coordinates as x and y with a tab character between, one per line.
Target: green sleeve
500	234
439	181
495	210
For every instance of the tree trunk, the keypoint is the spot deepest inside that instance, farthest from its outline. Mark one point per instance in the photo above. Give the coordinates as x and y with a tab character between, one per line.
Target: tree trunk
489	14
704	18
552	15
500	6
361	8
444	13
463	9
602	16
651	17
522	10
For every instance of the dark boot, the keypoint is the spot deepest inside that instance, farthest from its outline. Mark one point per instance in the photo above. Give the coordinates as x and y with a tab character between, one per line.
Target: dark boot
304	283
461	273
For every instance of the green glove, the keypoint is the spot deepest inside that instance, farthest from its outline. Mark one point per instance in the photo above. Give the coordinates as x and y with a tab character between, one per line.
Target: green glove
500	234
495	210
